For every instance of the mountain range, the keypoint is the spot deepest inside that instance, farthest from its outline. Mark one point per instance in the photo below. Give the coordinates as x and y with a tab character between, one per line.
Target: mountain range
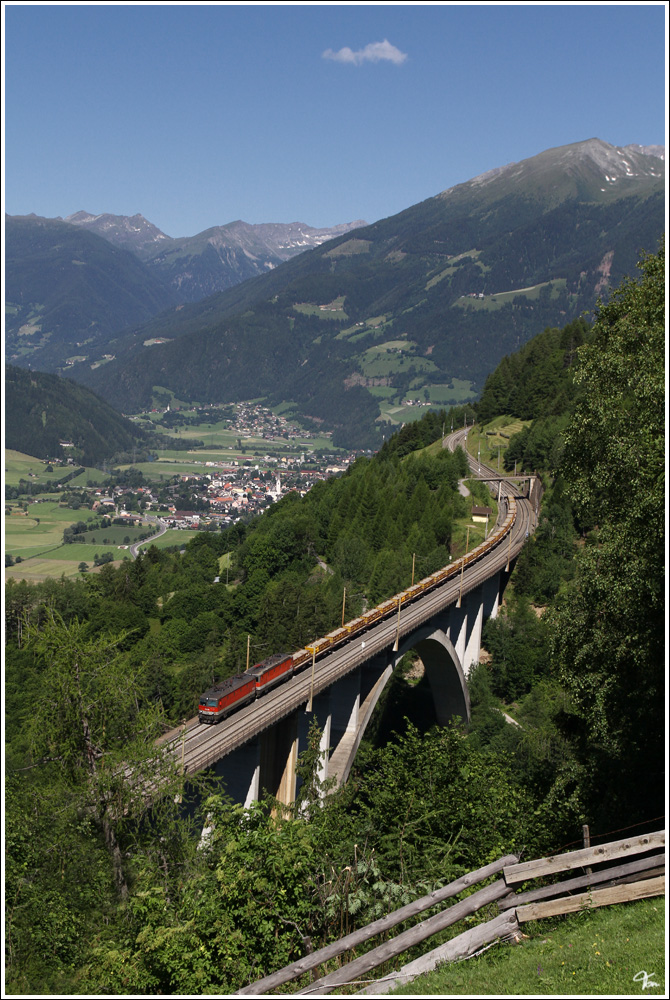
71	284
216	259
69	291
420	306
417	307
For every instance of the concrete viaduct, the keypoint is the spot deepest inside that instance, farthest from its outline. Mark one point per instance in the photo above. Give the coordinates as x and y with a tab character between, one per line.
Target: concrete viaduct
257	748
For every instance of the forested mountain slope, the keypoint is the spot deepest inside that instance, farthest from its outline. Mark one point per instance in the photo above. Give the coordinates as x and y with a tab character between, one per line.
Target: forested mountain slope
68	292
597	557
441	291
42	411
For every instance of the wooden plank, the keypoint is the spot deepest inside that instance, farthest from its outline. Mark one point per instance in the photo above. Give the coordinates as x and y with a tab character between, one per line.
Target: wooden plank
590	900
652	873
352	940
586	856
653	866
503	926
415	935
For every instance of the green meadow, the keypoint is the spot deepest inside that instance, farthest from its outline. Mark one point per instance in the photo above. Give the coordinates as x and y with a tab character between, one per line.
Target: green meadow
493	438
500	299
19	466
613	951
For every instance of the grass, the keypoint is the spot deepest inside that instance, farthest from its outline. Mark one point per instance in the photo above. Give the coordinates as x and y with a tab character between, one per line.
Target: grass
328	310
353	246
88	475
40	530
495	435
40	562
173	536
115	534
20	466
500	299
592	953
37	570
441	394
398	414
460	535
37	537
382	391
386	359
222	437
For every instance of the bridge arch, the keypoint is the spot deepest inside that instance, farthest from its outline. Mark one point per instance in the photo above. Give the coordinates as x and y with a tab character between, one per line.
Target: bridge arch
444	671
445	677
448	642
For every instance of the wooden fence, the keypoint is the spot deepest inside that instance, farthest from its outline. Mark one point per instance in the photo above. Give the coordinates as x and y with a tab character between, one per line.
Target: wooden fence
608	877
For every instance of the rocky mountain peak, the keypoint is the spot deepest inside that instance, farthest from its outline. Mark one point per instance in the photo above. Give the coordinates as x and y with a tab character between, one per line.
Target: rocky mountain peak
584	169
132	232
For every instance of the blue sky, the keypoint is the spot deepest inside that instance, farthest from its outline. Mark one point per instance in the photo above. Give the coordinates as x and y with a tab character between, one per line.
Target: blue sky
199	115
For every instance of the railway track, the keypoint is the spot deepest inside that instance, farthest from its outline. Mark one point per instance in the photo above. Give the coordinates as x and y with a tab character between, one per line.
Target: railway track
198	746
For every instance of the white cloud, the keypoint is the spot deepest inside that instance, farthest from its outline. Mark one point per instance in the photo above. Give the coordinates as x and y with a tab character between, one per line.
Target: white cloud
374	52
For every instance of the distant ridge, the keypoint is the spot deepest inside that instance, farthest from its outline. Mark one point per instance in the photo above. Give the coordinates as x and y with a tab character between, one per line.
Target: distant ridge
68	292
132	232
583	169
214	260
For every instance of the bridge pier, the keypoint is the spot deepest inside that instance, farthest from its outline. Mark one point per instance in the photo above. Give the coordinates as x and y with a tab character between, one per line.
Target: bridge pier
322	712
241	772
265	763
475	608
372	678
345	704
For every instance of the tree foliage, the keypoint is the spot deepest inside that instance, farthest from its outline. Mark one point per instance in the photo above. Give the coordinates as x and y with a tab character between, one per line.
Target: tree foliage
608	629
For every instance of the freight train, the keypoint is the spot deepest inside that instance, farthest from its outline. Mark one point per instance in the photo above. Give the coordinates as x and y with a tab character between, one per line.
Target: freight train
227	696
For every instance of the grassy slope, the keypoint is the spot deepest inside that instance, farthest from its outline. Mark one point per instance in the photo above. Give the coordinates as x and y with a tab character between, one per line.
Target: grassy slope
590	953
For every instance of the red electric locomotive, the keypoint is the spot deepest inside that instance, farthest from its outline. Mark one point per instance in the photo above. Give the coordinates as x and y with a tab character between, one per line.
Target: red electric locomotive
224	697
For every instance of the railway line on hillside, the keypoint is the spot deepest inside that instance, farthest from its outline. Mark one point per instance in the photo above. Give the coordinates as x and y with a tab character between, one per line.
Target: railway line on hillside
197	746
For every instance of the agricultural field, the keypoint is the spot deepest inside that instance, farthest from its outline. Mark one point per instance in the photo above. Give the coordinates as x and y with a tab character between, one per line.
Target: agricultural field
392	357
116	534
34	539
19	466
362	329
38	570
500	299
399	414
223	436
89	475
330	310
39	530
165	469
353	246
173	536
453	394
39	544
